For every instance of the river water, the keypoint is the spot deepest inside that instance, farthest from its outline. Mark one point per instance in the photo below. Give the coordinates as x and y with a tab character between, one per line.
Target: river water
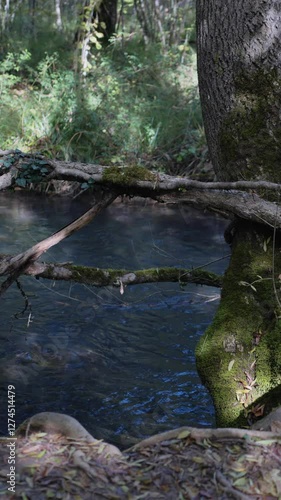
123	365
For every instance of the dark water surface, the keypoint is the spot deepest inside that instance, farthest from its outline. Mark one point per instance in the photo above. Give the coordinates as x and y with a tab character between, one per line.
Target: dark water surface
123	365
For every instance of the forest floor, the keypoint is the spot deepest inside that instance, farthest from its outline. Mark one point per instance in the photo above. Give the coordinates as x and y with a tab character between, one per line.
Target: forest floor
186	463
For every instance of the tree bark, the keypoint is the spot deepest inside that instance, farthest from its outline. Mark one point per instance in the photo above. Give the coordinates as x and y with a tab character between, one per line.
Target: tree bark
58	14
239	67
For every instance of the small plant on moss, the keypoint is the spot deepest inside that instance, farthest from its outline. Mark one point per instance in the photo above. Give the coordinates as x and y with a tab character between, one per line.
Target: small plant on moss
32	172
88	185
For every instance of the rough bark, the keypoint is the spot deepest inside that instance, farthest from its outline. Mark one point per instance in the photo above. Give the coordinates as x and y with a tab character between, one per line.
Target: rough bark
239	66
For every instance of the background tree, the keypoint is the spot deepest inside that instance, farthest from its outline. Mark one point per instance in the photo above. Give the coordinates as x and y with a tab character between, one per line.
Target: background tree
165	21
96	26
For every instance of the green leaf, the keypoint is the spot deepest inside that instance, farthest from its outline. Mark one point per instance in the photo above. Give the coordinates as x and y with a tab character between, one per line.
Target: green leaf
265	442
21	182
242	481
7	163
85	185
183	435
41	454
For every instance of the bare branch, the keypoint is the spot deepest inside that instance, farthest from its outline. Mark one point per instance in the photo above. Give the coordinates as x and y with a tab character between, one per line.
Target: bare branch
234	203
16	265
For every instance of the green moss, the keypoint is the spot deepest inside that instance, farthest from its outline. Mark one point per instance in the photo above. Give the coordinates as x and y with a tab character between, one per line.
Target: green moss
127	175
199	276
163	275
247	311
95	276
250	135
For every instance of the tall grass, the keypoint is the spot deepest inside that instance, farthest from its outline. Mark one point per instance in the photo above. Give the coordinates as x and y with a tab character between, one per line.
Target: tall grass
136	105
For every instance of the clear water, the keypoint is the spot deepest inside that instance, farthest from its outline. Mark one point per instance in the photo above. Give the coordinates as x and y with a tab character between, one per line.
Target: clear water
123	365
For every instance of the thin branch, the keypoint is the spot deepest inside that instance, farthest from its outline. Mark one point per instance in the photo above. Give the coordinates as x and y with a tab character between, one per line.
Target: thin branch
15	266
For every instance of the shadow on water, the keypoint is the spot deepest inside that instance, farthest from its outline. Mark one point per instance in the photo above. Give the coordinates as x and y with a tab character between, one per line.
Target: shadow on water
123	365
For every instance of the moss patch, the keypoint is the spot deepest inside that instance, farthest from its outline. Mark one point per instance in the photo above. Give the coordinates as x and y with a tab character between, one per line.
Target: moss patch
127	175
93	276
245	330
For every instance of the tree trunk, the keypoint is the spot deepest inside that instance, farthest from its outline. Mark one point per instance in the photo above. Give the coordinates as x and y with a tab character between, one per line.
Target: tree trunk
239	65
239	356
239	68
107	14
58	14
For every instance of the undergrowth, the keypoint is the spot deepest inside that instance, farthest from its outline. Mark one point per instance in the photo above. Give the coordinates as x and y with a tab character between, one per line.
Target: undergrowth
136	105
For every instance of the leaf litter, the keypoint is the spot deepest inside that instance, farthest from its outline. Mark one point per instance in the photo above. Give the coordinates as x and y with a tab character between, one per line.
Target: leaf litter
183	464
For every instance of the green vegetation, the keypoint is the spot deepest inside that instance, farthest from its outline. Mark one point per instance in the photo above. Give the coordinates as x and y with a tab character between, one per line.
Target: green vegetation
136	103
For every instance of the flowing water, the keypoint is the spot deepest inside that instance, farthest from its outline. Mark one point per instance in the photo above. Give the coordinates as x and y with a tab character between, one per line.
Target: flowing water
123	365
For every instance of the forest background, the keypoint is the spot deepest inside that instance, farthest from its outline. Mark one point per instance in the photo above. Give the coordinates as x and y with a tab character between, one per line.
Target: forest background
73	89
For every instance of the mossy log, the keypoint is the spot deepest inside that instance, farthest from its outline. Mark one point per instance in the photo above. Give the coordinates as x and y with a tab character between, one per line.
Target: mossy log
121	277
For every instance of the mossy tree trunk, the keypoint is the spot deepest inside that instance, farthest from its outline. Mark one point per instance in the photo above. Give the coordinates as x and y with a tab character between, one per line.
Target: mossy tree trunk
239	66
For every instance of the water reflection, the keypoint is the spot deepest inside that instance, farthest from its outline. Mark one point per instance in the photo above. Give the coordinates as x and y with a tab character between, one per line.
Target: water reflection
122	364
